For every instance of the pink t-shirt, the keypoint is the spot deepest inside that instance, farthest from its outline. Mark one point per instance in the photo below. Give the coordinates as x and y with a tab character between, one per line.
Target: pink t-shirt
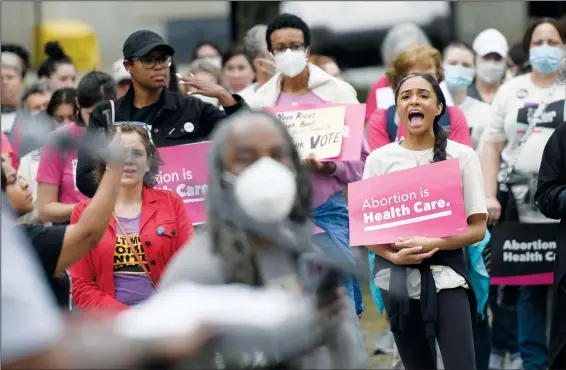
6	147
60	169
371	102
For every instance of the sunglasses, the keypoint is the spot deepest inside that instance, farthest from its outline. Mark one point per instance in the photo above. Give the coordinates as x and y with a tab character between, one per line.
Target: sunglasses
137	124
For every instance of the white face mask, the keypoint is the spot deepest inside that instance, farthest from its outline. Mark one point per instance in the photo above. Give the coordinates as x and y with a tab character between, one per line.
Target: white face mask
207	99
291	63
490	71
266	190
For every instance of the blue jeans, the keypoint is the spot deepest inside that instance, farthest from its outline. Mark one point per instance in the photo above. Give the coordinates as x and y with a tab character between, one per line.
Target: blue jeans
532	315
332	250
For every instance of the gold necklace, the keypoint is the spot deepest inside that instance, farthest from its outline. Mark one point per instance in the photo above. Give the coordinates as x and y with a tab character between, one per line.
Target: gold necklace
421	158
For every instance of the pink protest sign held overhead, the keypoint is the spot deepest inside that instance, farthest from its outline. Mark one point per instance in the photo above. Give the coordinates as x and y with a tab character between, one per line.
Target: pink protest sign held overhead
185	172
424	201
332	132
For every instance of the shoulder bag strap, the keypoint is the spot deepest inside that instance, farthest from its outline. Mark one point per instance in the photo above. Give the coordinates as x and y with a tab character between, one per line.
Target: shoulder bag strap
112	113
138	259
533	122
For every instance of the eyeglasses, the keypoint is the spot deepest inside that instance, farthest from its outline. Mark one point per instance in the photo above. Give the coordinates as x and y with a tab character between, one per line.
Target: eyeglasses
137	124
149	61
282	48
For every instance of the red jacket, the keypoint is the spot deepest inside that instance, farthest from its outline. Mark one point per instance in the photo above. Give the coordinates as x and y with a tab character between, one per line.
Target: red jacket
93	276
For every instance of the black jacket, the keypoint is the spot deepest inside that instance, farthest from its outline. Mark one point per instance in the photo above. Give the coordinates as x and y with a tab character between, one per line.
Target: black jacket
167	127
551	184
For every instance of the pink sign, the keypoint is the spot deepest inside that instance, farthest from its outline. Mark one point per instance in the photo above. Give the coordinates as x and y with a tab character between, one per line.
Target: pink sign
185	172
353	126
424	201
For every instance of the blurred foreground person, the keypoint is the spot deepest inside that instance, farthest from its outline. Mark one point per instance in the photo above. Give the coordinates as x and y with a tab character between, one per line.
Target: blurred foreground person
299	82
148	226
35	336
551	200
172	119
60	246
258	221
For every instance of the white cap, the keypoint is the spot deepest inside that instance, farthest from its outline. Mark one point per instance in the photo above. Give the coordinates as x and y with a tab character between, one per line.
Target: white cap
119	71
491	41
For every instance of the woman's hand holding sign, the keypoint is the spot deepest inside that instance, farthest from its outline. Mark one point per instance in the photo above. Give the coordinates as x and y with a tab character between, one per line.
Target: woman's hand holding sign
413	250
326	168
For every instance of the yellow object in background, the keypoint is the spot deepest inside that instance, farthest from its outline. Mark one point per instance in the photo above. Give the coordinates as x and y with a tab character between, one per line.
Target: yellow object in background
77	38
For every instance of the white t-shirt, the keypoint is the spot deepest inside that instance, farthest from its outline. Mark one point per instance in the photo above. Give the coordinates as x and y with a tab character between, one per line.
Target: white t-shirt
514	102
393	157
248	92
478	115
8	120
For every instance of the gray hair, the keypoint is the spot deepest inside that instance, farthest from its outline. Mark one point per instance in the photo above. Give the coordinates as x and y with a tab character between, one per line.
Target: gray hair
37	87
399	39
11	60
206	66
255	45
229	239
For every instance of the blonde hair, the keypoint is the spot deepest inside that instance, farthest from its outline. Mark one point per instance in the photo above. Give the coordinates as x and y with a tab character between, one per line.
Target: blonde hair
408	59
319	60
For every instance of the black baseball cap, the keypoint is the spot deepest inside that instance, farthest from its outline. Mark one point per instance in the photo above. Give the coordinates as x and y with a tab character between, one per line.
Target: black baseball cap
142	42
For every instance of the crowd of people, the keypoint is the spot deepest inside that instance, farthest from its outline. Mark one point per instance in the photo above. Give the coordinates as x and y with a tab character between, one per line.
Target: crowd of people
80	157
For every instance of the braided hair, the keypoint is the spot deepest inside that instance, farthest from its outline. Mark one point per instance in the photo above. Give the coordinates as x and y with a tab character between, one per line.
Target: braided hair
441	138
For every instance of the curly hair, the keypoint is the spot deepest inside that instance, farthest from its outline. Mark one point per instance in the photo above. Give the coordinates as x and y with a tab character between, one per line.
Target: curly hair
441	138
287	20
418	55
152	156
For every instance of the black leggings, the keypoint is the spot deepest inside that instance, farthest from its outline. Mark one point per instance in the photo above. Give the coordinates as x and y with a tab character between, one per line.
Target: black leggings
453	333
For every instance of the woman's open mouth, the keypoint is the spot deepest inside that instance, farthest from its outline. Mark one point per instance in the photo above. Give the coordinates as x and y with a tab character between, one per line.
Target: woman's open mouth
416	118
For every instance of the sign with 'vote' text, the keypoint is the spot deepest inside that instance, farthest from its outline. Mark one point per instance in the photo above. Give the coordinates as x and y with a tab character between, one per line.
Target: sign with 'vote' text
329	131
185	172
424	201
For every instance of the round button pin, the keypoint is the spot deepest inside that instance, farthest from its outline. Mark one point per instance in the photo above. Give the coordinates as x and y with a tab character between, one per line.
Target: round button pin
189	127
160	230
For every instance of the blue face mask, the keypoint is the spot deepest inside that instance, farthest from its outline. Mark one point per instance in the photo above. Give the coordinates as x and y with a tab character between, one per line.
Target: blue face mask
545	59
458	78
